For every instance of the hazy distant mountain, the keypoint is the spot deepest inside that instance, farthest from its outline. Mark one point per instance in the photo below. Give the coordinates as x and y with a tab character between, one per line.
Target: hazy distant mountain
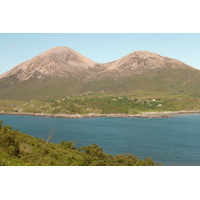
62	71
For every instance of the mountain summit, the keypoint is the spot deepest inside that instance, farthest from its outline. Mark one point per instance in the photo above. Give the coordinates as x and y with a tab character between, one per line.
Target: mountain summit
139	62
61	71
55	62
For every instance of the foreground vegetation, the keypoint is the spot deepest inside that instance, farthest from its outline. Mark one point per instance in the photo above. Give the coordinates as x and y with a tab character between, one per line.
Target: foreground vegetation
19	149
105	104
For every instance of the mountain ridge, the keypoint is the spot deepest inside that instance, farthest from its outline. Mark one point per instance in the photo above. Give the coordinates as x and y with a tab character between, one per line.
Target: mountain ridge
65	55
61	71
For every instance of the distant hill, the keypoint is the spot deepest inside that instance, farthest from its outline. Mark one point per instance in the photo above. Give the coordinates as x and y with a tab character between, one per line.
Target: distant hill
61	71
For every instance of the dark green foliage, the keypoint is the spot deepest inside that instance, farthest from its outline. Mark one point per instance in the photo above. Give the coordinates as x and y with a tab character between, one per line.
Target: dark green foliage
68	144
10	145
8	140
18	149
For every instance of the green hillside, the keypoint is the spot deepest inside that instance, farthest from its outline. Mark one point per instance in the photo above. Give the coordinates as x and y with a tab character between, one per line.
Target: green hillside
166	80
19	149
171	81
33	89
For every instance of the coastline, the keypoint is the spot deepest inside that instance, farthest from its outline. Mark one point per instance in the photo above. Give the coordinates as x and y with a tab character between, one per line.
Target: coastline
164	114
80	115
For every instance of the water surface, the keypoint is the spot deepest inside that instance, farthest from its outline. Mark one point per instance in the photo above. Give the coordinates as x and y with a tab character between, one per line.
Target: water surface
171	141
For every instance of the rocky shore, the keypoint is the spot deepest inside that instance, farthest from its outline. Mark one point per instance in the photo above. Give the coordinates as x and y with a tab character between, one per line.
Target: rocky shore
88	116
166	114
172	112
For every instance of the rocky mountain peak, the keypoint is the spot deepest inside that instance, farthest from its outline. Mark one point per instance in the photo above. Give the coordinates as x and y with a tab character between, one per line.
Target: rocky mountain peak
57	61
143	54
141	61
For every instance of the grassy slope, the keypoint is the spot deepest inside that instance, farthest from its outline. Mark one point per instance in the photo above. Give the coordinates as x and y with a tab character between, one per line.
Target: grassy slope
167	81
18	149
40	89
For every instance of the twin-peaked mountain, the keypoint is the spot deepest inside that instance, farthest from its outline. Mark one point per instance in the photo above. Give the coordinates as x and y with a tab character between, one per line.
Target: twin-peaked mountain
62	71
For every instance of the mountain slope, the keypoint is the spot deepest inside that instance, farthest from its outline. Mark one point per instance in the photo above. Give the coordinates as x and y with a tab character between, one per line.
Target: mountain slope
54	73
140	62
146	71
55	62
62	71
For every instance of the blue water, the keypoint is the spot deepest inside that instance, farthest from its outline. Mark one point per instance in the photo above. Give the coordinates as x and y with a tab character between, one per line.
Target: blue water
171	141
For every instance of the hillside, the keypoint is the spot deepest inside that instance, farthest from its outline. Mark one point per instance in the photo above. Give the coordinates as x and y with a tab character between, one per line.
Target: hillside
61	72
19	149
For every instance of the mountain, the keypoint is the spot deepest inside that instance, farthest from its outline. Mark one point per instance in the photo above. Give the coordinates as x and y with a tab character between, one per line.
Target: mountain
140	62
145	71
61	71
55	62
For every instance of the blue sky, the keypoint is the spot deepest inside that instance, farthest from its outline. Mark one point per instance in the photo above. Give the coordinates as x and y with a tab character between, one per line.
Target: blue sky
100	47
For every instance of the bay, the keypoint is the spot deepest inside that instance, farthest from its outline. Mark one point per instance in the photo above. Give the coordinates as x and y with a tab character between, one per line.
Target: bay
172	141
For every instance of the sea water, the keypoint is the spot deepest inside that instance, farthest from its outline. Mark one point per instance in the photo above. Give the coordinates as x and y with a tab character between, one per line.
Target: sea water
171	141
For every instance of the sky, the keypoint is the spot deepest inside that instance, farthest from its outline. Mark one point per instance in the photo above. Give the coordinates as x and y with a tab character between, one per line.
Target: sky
99	47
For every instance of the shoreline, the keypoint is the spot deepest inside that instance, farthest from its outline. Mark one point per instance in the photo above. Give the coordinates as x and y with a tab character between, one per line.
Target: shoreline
164	114
83	116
